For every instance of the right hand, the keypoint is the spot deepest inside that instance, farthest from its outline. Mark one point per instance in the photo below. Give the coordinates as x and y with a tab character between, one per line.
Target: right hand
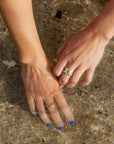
41	86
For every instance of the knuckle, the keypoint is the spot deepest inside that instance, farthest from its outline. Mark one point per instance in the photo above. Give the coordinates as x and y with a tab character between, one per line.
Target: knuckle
54	111
72	82
63	81
48	93
64	107
40	111
64	57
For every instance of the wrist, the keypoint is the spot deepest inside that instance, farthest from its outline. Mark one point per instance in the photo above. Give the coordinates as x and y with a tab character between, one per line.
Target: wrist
100	31
103	24
41	63
33	58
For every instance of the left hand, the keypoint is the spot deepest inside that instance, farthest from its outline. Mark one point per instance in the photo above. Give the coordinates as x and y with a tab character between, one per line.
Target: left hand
81	52
42	87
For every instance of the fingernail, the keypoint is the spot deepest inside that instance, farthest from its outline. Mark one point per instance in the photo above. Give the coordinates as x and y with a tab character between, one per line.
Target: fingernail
49	124
71	122
65	87
36	114
60	127
80	85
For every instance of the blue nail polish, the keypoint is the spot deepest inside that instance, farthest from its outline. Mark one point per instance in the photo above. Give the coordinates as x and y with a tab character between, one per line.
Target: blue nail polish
65	87
60	127
49	124
80	85
36	114
71	122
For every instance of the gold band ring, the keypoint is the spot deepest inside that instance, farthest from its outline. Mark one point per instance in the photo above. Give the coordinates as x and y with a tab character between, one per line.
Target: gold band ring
68	71
50	105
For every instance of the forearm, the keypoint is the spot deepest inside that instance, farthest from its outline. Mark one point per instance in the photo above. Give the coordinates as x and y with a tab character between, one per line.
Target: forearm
104	22
18	16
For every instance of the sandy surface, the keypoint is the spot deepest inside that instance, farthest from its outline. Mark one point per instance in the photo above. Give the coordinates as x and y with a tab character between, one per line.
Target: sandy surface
92	106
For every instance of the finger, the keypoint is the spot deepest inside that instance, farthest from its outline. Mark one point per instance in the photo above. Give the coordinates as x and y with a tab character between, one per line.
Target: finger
88	78
59	67
55	114
64	107
64	78
31	103
75	77
41	110
60	50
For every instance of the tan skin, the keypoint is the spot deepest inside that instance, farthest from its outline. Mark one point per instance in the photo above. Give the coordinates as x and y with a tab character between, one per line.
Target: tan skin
40	84
80	49
81	52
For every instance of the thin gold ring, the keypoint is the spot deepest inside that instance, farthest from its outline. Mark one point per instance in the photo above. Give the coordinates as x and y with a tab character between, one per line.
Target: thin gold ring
50	105
68	71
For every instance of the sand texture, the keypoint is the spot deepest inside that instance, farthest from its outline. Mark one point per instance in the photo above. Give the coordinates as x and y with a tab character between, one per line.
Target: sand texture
92	106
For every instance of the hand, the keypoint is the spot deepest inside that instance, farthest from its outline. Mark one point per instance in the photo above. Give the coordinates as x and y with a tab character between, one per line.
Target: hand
81	52
41	86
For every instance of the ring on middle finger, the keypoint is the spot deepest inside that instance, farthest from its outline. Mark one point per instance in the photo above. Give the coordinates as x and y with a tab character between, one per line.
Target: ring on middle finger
68	71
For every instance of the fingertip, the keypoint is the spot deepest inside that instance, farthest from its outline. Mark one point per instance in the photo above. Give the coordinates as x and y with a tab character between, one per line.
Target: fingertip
58	69
65	87
36	114
48	124
80	85
70	86
71	122
84	83
55	71
61	127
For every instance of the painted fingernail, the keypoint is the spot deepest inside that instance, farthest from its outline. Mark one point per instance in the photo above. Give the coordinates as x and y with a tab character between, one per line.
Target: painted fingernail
36	114
65	87
80	85
49	124
71	122
60	127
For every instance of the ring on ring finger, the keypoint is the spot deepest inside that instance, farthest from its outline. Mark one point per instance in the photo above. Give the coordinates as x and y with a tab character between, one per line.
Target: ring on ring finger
50	105
68	71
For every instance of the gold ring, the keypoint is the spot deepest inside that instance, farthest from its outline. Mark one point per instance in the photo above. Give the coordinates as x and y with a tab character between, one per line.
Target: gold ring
68	71
50	105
